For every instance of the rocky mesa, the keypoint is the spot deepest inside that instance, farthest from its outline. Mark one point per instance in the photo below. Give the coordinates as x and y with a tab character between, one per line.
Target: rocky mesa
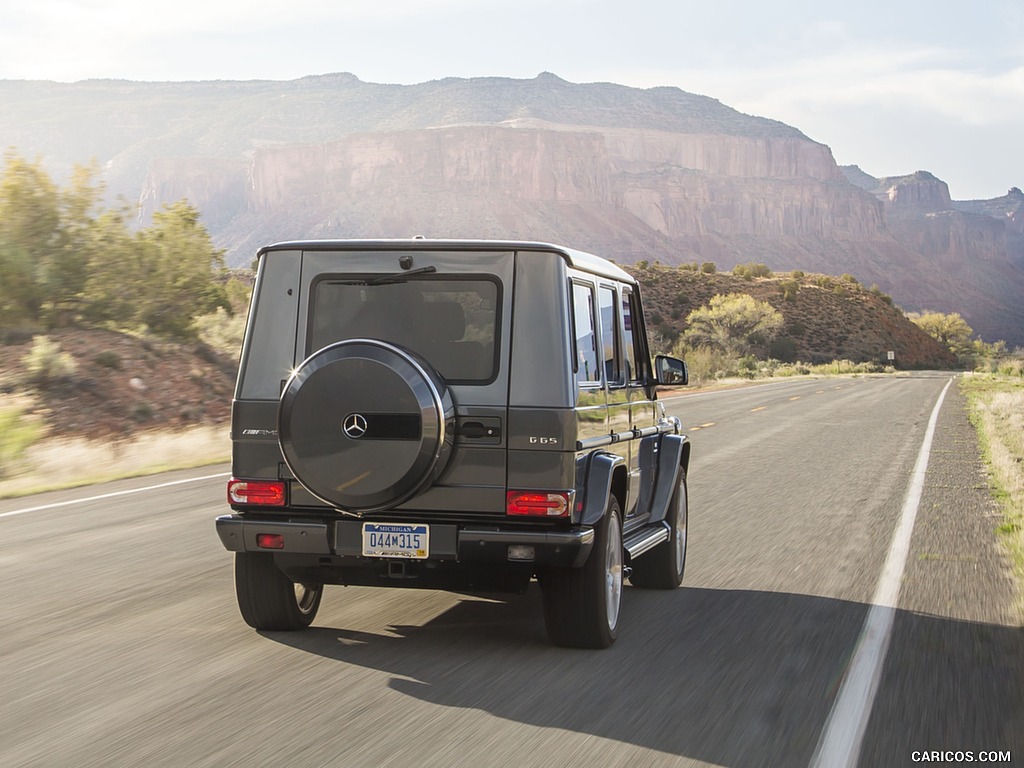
628	173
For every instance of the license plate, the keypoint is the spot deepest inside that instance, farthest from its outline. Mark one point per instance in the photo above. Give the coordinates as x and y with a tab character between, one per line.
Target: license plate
411	541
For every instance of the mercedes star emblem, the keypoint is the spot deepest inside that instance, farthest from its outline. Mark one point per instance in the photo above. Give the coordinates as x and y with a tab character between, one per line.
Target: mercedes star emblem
354	425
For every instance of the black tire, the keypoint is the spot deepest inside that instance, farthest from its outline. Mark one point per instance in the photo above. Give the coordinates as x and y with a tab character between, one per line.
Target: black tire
269	600
663	566
581	605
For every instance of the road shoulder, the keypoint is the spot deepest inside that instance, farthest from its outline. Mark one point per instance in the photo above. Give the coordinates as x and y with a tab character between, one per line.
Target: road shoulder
955	669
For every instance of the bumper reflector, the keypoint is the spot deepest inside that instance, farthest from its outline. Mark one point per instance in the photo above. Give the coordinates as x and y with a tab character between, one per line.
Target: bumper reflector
270	541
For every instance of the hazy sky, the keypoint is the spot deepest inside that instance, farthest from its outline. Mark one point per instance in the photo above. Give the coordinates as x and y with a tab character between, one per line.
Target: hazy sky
891	86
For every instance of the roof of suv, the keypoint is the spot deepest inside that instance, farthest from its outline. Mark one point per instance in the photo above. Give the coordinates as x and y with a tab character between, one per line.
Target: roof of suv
578	259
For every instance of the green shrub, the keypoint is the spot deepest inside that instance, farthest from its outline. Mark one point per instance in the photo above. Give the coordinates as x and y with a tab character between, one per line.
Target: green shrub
747	367
45	363
737	323
706	363
846	366
789	288
1011	368
708	268
783	348
17	434
787	370
824	281
751	270
222	330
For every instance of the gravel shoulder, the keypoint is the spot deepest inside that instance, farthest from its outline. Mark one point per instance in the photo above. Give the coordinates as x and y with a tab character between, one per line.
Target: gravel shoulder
955	669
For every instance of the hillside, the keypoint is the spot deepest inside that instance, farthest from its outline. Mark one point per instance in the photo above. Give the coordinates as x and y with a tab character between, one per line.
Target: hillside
826	318
629	173
122	385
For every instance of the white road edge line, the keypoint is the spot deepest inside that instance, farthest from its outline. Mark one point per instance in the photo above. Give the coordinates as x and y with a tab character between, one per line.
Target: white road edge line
111	495
840	742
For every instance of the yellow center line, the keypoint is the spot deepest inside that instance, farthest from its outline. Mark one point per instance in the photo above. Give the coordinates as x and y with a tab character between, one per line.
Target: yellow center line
759	408
353	481
797	397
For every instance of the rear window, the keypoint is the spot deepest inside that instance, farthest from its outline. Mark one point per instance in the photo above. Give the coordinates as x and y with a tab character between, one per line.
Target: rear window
451	322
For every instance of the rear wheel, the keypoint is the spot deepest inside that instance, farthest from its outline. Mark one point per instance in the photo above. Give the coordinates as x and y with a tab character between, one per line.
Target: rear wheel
663	566
581	605
267	599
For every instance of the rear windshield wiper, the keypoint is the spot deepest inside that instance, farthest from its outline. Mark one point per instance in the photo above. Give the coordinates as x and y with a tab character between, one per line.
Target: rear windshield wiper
399	277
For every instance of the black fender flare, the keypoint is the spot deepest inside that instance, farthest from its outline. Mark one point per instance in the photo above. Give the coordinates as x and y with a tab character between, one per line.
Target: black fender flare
596	485
673	458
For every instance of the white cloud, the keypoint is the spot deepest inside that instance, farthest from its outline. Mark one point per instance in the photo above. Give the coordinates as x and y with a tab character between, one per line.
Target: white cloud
78	39
924	80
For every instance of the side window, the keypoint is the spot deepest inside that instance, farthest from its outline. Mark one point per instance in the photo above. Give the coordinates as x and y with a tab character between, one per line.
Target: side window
588	370
633	372
609	334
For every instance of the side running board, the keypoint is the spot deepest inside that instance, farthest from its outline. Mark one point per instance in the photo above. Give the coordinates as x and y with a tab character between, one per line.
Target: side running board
647	538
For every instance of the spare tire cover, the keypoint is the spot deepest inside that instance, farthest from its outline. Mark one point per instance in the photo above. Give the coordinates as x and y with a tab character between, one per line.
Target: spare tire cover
365	425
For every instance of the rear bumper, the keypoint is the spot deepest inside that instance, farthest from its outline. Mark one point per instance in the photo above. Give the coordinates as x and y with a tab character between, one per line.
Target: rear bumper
238	534
560	548
470	544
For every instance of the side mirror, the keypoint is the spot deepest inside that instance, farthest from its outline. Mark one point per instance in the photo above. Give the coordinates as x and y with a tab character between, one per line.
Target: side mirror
670	370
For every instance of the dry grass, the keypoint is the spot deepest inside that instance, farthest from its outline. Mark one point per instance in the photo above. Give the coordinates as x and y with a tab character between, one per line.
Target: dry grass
69	462
997	410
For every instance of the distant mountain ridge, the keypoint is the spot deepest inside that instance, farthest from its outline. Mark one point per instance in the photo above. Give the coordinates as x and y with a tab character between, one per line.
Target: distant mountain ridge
628	173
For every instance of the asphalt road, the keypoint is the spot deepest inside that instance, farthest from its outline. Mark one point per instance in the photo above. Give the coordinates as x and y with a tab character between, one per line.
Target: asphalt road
122	646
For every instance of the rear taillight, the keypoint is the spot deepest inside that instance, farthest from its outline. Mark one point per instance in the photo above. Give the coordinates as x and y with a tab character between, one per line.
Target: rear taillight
257	493
538	503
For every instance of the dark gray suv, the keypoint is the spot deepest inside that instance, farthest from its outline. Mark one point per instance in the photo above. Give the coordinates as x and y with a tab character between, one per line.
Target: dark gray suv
464	415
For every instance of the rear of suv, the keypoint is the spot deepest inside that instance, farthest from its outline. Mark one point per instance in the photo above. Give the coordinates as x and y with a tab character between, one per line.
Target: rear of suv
464	415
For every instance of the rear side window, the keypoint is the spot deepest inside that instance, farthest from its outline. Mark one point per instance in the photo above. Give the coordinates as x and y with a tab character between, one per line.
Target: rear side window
588	369
453	323
609	334
633	372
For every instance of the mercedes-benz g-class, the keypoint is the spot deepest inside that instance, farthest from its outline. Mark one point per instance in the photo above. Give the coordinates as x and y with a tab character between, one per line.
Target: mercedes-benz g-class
464	415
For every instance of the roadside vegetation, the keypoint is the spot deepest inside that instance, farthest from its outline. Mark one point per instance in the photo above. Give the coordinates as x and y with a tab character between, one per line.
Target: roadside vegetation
65	261
767	326
69	265
996	405
734	336
17	433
